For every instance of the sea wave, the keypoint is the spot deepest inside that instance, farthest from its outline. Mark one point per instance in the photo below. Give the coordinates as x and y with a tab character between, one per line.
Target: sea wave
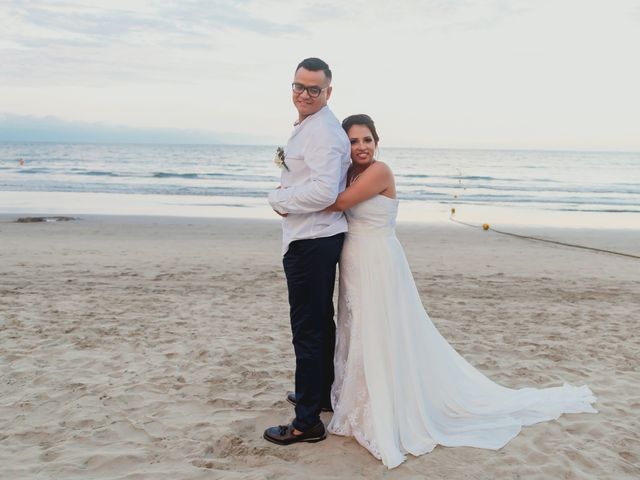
550	180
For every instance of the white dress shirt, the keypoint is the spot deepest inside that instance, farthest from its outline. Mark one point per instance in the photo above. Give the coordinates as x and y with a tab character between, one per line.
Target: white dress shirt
318	156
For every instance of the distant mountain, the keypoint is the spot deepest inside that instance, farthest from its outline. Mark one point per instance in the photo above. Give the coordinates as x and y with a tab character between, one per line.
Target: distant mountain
27	128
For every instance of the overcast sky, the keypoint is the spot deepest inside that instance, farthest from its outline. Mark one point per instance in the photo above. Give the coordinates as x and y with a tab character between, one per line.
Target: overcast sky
437	73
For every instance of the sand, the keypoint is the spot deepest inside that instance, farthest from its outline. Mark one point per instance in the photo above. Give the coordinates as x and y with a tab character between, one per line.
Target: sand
148	347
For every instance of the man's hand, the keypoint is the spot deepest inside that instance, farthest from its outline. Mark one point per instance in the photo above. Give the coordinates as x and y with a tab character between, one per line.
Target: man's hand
281	214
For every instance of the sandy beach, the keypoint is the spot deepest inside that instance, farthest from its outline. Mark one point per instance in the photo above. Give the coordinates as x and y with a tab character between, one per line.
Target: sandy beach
159	347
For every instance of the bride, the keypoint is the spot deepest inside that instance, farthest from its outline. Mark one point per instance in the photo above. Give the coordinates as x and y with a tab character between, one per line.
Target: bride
399	386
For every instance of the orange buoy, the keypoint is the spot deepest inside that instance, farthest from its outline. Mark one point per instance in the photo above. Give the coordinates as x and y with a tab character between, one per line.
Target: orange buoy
485	226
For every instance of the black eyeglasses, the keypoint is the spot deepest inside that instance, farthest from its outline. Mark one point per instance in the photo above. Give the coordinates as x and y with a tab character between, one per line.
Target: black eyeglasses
312	91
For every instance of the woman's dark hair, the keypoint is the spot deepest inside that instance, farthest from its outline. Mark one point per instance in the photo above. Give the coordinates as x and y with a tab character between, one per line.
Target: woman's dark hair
315	65
361	119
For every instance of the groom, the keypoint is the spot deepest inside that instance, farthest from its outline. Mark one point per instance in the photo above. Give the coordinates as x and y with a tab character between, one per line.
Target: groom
314	173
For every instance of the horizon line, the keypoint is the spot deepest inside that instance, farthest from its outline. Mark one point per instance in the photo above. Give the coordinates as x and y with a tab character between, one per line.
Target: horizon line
223	144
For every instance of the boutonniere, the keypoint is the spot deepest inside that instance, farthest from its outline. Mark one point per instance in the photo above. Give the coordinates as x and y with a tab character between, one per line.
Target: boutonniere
279	160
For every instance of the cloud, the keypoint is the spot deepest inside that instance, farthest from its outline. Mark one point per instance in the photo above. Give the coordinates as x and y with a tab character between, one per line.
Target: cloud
84	22
81	42
410	14
70	43
206	16
227	64
196	23
187	23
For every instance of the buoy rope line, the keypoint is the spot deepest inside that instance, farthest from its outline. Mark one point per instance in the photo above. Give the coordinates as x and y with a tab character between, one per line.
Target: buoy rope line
486	226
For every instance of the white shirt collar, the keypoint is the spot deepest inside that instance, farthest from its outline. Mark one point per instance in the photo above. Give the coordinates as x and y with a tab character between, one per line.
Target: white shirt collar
297	122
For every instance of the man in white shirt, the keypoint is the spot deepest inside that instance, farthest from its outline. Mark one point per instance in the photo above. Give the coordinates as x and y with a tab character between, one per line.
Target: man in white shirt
314	173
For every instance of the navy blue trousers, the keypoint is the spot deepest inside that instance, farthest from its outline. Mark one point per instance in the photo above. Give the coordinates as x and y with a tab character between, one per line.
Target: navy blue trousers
310	268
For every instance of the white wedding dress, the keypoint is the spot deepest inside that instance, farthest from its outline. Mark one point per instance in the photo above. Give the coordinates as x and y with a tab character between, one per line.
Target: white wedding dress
399	386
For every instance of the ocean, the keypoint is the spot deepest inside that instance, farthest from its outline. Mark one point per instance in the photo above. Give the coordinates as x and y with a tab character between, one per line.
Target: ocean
241	176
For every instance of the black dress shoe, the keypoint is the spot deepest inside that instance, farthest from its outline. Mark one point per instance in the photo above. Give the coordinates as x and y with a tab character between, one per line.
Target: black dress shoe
291	398
283	434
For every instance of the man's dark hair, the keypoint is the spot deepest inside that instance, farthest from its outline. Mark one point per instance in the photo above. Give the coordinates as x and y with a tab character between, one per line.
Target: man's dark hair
315	65
361	119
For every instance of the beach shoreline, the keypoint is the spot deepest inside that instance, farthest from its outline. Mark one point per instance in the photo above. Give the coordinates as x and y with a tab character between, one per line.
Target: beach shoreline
141	346
26	203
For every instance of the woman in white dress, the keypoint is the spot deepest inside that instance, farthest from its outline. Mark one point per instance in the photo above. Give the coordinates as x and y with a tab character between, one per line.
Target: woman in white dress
399	386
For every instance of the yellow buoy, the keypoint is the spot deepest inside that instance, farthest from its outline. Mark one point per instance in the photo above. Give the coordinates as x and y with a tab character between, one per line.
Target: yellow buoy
485	226
453	211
